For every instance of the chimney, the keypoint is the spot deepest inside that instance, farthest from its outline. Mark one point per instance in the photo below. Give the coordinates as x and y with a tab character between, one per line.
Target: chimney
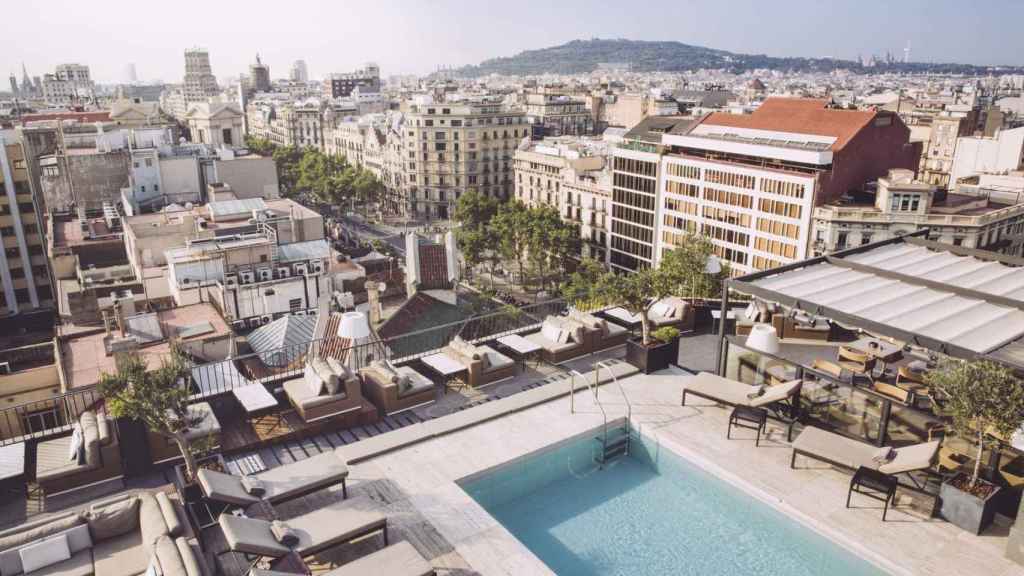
374	291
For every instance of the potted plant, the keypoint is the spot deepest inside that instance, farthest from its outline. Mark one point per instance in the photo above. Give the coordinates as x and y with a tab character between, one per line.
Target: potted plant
156	397
984	399
681	271
662	352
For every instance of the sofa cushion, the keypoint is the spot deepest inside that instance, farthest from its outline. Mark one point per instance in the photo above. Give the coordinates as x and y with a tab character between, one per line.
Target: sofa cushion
467	350
495	360
91	434
79	538
80	564
45	552
52	461
174	525
114	520
151	519
190	557
168	557
551	332
312	381
121	556
10	561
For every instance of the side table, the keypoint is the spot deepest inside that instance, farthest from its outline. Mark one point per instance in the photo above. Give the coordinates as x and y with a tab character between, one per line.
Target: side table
873	484
749	418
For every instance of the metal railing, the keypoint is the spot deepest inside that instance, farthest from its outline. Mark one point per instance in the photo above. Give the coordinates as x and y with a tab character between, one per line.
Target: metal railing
42	419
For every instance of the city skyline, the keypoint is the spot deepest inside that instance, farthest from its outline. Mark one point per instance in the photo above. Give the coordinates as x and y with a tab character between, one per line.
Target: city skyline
430	37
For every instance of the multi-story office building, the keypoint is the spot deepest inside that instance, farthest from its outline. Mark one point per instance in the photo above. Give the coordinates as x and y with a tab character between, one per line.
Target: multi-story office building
69	83
559	114
341	85
453	147
574	177
24	274
199	83
748	182
974	216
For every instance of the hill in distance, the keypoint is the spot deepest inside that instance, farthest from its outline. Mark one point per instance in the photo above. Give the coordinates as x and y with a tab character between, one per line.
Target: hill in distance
582	56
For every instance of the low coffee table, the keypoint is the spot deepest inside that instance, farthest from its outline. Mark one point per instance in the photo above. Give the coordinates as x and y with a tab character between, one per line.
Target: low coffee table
257	402
749	418
521	348
873	484
446	366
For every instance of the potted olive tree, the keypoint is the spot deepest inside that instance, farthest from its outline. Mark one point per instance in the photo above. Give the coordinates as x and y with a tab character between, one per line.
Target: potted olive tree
984	399
159	399
682	271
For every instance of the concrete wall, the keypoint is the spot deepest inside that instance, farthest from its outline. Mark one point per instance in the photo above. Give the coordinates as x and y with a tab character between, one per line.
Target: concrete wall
249	177
90	179
181	182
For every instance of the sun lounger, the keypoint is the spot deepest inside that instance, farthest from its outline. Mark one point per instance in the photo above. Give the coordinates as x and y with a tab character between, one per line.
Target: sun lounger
851	454
399	559
319	530
280	484
733	393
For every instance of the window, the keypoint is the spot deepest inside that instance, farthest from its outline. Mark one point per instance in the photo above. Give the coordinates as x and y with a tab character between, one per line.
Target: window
149	162
682	171
226	136
841	241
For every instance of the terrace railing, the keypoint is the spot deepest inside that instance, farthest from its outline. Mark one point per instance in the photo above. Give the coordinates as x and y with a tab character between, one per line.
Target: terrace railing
42	419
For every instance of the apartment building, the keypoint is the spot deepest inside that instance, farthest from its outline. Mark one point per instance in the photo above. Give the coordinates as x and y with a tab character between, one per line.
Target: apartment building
573	176
199	83
559	114
24	273
977	215
997	154
286	123
68	83
453	147
937	163
748	182
374	143
341	85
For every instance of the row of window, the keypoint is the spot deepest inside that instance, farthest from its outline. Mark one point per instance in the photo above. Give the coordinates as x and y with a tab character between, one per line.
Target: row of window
645	235
684	171
783	188
730	198
681	206
777	228
637	183
691	190
639	167
779	208
905	202
733	255
632	247
762	263
727	216
729	179
726	235
634	199
776	247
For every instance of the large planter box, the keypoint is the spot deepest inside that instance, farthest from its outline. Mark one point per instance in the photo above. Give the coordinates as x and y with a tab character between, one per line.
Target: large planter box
190	490
654	358
965	510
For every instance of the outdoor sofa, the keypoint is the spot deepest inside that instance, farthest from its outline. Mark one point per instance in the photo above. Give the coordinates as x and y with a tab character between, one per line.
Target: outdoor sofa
484	365
603	334
57	471
561	340
120	536
395	389
672	311
279	484
327	388
319	530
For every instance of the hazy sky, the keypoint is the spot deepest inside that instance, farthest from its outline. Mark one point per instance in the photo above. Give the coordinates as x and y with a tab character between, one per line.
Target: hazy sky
418	36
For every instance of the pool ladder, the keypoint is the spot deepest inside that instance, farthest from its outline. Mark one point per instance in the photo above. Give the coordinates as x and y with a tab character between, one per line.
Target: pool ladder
615	441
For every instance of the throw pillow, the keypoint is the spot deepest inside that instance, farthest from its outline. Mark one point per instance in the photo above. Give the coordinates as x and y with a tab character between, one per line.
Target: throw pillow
45	553
404	383
284	534
751	312
253	485
113	520
550	332
77	443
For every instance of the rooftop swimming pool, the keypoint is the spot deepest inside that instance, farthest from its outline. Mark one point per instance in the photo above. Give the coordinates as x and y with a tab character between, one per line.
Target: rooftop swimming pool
650	512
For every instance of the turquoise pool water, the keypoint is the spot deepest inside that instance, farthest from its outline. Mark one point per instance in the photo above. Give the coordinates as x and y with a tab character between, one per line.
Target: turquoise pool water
649	513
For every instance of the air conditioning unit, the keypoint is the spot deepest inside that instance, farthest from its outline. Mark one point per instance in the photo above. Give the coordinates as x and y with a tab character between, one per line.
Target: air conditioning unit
238	325
231	280
282	272
264	274
301	269
255	322
5	367
266	318
245	277
317	267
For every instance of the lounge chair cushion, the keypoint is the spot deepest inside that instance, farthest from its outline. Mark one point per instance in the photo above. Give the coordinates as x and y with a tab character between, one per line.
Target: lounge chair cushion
737	393
399	559
853	454
224	487
322	528
285	482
